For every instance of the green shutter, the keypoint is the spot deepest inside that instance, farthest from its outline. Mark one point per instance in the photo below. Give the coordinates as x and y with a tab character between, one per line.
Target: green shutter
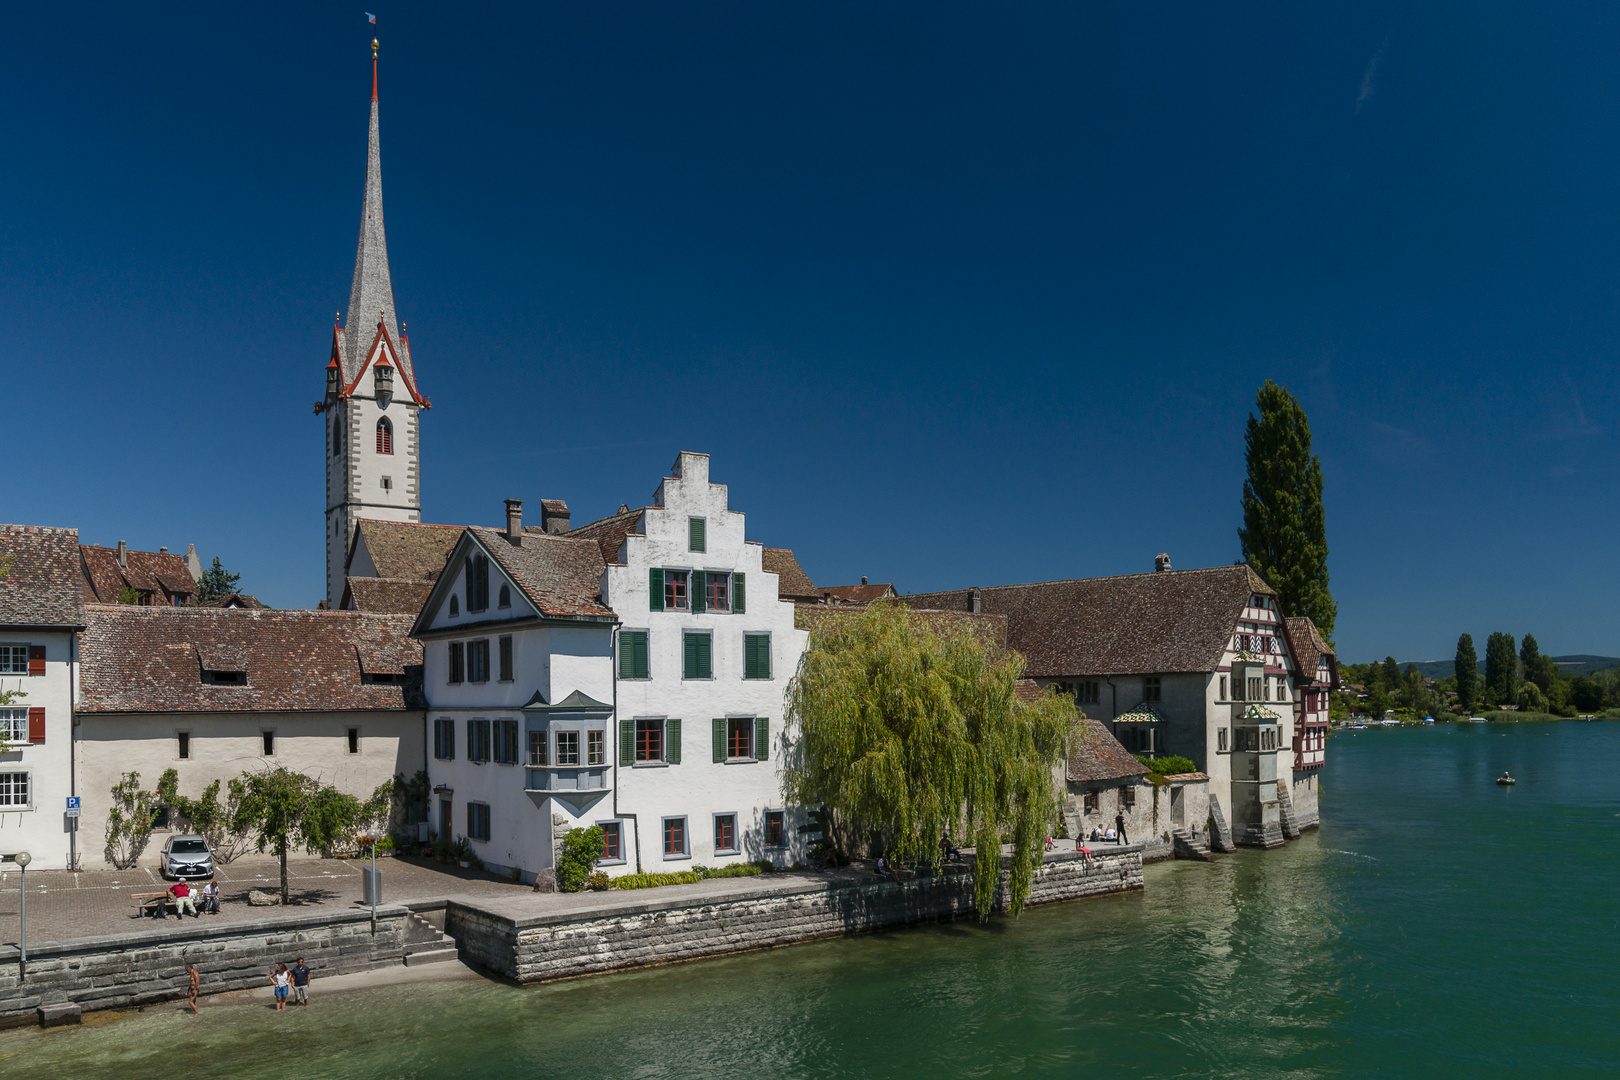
688	656
719	740
655	589
705	665
694	534
739	594
695	590
762	739
633	654
627	742
672	741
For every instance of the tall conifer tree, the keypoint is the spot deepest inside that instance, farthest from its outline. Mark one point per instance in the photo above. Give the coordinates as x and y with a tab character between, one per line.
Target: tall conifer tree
1467	672
1284	532
1501	668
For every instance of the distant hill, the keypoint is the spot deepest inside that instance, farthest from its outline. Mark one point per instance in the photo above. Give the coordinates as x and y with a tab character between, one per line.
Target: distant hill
1574	665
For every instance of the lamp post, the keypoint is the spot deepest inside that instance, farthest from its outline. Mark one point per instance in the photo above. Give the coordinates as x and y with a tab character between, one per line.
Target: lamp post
22	859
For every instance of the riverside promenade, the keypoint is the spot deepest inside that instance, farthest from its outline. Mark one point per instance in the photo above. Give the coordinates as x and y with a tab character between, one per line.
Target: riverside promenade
501	928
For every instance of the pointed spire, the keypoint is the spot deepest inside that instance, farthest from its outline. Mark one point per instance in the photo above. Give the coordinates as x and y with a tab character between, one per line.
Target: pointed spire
373	289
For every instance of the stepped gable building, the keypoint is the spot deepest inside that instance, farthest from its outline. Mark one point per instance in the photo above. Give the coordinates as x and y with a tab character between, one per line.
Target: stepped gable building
215	692
150	578
1195	663
373	405
41	613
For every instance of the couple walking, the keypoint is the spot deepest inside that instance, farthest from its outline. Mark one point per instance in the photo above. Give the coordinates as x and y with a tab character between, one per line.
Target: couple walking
298	976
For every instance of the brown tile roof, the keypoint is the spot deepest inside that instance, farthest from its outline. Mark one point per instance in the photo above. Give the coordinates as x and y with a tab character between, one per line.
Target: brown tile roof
386	596
1094	755
991	629
1309	646
412	550
792	583
150	659
856	594
1174	621
235	600
609	532
161	573
561	575
39	577
1027	690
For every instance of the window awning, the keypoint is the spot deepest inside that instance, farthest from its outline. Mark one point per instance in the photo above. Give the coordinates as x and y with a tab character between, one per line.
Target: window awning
1142	714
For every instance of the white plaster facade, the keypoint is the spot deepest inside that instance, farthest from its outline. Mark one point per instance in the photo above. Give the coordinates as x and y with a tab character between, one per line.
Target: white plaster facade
712	781
36	768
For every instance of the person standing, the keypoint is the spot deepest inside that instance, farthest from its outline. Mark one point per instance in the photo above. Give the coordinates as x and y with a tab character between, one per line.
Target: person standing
300	981
191	991
279	979
1119	828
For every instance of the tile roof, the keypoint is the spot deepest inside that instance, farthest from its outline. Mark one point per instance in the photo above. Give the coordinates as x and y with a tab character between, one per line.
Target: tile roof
856	594
235	600
1308	644
406	549
39	576
1172	621
991	629
150	659
561	575
1094	755
609	532
159	572
792	583
386	596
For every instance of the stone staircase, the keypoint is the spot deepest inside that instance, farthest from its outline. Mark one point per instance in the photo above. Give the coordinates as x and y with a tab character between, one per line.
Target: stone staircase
1190	845
426	943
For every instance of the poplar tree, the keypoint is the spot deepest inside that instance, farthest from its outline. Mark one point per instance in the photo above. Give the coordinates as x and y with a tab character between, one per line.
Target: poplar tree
1501	669
1467	673
1284	533
913	733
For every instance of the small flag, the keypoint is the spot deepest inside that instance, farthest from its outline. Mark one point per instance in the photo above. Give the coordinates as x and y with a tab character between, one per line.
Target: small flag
370	18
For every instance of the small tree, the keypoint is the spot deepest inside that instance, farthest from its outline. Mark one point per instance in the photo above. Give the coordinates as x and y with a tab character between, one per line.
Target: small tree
282	809
129	821
216	583
1531	698
1467	673
207	816
8	697
580	850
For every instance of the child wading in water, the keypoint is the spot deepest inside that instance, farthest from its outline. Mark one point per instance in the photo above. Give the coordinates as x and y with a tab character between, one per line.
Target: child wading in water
279	981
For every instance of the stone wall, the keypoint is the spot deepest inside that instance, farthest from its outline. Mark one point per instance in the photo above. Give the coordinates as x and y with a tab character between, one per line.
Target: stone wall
131	970
560	946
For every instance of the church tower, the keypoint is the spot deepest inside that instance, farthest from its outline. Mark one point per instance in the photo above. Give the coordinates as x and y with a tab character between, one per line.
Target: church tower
372	406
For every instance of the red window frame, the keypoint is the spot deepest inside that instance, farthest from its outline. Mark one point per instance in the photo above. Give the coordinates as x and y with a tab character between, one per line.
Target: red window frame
774	828
610	841
675	836
675	590
715	594
385	436
725	832
740	738
649	740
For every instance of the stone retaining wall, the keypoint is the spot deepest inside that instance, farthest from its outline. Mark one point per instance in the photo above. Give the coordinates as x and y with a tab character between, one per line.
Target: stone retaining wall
131	970
560	946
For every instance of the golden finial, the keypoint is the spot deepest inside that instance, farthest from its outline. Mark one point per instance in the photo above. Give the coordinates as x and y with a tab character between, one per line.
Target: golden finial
374	48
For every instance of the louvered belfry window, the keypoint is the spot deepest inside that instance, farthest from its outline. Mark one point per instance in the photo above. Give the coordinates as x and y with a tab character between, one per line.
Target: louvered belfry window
385	436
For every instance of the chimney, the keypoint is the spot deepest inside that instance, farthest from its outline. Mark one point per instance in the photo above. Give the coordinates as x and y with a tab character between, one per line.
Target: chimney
554	516
123	556
514	520
863	579
162	550
974	603
1161	563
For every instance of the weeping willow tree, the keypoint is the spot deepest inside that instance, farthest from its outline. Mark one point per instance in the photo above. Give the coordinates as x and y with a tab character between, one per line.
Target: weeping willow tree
913	732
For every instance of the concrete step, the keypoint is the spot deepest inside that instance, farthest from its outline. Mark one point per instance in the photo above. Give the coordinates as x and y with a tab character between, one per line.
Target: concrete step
418	931
431	956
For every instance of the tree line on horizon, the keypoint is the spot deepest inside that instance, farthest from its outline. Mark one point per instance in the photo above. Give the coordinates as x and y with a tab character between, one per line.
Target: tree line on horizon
1517	676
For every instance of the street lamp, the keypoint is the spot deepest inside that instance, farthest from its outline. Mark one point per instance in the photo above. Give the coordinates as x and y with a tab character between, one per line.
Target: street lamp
22	859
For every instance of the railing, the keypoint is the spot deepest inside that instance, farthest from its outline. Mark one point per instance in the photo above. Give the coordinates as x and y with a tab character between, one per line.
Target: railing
566	779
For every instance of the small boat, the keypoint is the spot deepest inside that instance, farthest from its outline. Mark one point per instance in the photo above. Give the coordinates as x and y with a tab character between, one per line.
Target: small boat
1505	780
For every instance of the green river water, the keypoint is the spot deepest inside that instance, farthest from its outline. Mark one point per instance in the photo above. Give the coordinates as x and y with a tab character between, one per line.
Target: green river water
1436	925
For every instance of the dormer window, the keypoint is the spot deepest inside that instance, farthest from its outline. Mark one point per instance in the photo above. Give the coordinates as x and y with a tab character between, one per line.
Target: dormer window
385	436
224	678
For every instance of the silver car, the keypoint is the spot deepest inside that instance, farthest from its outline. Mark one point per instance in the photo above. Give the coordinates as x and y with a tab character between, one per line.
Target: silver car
185	857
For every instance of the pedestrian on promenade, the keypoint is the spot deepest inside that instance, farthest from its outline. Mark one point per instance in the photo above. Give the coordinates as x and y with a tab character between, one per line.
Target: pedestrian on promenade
300	981
1119	826
183	899
279	979
210	896
191	991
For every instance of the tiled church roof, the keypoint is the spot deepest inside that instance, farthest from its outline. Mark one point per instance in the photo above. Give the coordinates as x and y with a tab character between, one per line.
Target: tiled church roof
39	577
1174	621
151	659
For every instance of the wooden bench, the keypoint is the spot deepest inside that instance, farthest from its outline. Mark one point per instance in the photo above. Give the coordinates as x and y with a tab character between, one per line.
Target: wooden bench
149	902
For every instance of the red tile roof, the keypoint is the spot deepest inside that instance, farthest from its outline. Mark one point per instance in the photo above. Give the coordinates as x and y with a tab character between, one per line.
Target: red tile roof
1173	621
161	573
39	577
1310	646
560	575
609	532
855	594
410	550
792	583
1094	754
151	659
386	596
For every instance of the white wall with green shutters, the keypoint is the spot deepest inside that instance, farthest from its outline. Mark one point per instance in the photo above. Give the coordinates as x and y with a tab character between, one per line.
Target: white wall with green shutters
751	655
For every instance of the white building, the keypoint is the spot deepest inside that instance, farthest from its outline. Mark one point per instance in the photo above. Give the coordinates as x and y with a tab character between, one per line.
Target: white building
518	671
372	406
705	653
41	612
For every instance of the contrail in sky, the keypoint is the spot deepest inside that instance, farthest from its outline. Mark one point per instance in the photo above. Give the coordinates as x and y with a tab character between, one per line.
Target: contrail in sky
1369	78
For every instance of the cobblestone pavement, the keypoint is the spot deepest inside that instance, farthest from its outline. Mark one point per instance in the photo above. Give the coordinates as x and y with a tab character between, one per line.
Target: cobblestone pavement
64	905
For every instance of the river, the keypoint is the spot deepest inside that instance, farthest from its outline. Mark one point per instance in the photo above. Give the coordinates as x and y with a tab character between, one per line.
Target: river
1436	925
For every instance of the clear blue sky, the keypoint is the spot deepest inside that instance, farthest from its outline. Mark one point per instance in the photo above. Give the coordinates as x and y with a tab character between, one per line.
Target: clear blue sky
954	293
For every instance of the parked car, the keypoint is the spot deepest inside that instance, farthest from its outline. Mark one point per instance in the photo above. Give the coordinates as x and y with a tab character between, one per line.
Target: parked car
186	857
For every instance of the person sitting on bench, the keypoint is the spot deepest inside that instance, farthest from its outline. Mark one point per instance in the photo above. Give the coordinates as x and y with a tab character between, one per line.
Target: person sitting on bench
883	866
183	899
947	851
210	898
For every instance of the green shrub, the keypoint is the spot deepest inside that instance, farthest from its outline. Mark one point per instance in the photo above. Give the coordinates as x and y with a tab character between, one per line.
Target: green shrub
599	881
653	881
747	869
580	850
1167	766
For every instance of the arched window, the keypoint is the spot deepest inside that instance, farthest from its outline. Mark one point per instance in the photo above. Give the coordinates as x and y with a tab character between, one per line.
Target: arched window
337	435
506	596
385	436
455	606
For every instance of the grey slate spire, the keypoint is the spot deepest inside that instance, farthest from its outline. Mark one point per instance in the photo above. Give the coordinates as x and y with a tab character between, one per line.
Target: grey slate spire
372	291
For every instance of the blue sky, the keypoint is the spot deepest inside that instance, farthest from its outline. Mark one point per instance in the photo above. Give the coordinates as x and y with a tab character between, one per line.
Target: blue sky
955	294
